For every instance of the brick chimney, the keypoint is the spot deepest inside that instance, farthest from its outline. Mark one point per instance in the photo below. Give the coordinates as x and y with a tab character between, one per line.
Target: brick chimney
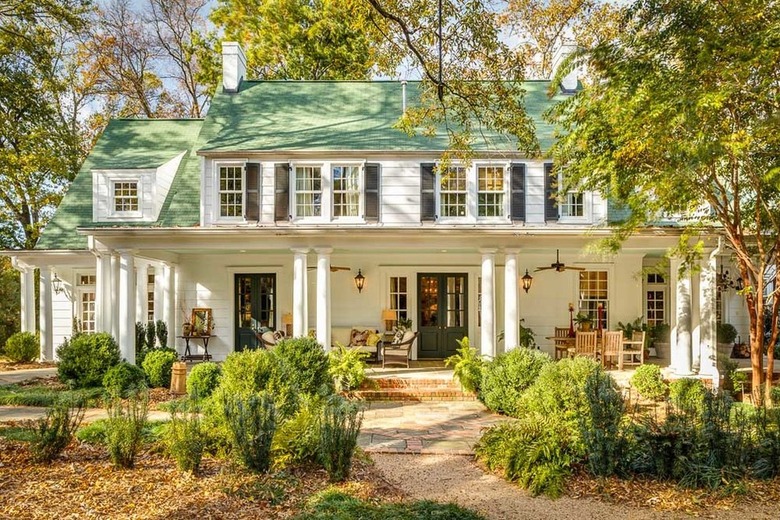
233	66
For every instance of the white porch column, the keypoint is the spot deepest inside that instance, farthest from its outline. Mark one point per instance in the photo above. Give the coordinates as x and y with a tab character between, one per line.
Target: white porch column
511	292
708	319
141	269
27	275
127	306
113	298
488	338
681	332
323	297
300	310
102	274
47	322
169	301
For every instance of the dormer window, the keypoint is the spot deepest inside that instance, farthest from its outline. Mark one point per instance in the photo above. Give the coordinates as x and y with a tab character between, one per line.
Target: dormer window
125	196
231	191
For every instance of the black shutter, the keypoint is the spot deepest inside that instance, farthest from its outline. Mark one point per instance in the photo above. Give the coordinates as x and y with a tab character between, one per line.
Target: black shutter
427	192
371	202
550	194
252	192
282	192
517	185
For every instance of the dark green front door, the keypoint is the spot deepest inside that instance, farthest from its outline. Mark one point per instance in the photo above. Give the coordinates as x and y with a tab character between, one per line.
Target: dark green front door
255	307
442	314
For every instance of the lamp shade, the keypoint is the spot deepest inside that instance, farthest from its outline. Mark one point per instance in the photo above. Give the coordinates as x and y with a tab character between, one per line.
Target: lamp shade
360	281
287	318
388	315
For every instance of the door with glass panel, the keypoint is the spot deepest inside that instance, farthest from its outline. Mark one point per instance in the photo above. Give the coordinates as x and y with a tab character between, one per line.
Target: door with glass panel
442	313
255	307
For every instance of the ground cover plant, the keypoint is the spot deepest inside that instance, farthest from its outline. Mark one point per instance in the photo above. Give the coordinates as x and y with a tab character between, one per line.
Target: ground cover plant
46	393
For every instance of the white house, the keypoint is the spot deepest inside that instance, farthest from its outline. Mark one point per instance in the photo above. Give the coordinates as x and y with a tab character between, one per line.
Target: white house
254	210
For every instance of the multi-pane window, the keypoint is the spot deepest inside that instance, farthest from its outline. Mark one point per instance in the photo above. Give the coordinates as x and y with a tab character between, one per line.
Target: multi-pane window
125	196
86	302
308	191
149	297
399	296
452	192
655	299
346	191
573	204
594	291
231	191
490	187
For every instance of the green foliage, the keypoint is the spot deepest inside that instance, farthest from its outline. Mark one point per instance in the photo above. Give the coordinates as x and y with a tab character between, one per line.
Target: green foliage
124	428
17	433
202	380
534	451
341	423
467	366
649	383
53	432
726	333
140	343
508	376
297	439
38	395
687	393
158	365
347	367
152	432
184	439
124	379
660	333
85	359
247	371
632	326
252	424
162	333
151	336
333	504
525	336
306	365
600	429
10	304
22	347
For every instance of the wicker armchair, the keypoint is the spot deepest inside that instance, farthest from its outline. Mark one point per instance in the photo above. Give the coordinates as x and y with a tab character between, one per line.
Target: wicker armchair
399	353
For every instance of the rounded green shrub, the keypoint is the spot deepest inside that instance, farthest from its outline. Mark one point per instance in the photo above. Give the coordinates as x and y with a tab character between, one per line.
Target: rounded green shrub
305	365
247	372
687	393
124	379
158	365
85	359
647	380
202	380
507	376
22	347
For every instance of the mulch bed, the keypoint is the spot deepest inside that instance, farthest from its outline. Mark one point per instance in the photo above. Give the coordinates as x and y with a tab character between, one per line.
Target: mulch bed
668	496
84	484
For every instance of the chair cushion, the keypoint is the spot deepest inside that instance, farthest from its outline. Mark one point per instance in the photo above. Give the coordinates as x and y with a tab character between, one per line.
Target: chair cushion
268	337
409	334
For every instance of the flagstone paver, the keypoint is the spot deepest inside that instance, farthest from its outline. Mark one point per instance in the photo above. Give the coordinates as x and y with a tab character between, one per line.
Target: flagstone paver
451	427
25	413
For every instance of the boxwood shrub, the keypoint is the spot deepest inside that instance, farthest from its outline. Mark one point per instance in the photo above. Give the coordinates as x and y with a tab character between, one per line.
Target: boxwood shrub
158	365
202	380
124	379
85	359
22	347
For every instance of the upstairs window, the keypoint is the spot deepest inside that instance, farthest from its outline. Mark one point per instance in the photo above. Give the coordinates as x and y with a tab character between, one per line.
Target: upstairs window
453	192
346	191
125	196
490	195
573	205
231	191
308	191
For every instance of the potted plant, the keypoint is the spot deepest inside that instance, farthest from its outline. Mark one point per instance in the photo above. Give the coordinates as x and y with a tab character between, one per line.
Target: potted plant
660	335
583	321
726	334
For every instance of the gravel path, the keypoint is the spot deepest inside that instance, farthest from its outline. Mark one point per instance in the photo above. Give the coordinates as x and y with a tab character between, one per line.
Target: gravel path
455	478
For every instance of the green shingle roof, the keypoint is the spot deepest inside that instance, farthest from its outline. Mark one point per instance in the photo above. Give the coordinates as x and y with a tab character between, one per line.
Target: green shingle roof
337	116
132	144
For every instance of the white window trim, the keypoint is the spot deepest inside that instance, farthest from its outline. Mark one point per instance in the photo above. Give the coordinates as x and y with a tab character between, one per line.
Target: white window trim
103	208
79	291
216	201
326	204
472	195
360	218
587	210
139	189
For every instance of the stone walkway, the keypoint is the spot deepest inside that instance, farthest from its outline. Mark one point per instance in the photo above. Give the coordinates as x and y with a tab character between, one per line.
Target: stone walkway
26	413
444	427
10	377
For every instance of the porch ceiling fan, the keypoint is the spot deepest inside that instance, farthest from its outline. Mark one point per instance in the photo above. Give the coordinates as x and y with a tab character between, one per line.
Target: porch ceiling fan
333	268
558	266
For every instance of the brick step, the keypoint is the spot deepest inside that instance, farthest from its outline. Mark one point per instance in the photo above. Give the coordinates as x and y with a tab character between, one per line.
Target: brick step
414	394
397	382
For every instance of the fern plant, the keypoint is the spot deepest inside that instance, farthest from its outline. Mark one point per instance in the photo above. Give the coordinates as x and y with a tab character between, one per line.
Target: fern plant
467	365
347	367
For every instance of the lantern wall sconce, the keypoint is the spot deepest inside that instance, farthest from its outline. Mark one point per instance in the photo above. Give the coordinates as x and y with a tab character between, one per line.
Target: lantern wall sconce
527	280
360	281
724	281
56	283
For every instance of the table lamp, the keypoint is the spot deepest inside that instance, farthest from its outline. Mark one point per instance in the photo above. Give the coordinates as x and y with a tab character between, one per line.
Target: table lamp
287	320
388	315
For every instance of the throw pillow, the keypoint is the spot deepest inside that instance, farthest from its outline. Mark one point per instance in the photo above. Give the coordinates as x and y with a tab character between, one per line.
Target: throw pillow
358	337
398	336
740	351
278	335
373	339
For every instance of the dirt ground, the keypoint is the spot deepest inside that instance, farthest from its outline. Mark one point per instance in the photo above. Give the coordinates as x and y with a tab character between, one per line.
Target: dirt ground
455	478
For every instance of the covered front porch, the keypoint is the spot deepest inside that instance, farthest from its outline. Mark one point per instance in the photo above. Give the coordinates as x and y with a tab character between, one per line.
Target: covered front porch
449	282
